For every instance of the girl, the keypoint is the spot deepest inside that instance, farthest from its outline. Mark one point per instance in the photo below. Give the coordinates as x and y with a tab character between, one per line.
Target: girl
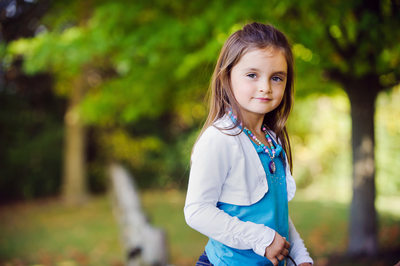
240	179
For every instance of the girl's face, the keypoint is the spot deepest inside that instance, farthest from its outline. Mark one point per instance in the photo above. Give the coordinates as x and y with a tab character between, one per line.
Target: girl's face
258	81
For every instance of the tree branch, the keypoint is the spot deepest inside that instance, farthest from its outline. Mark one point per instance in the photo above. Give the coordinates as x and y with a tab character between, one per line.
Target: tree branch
345	52
336	75
391	84
335	43
395	8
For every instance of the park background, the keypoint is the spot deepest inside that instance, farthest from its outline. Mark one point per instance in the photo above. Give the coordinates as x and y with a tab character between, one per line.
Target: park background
87	83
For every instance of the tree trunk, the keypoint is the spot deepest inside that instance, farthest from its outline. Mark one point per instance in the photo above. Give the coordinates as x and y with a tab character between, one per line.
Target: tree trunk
363	218
74	180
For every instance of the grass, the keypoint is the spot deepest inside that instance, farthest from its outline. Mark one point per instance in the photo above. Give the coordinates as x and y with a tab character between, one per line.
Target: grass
49	233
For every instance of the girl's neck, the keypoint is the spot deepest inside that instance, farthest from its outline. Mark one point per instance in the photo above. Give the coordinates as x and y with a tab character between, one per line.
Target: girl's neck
253	122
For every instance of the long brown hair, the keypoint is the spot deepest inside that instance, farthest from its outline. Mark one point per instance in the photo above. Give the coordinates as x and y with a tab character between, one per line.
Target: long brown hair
221	97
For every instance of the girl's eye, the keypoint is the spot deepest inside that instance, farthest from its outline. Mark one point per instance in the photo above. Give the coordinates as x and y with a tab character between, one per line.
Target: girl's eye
252	75
277	78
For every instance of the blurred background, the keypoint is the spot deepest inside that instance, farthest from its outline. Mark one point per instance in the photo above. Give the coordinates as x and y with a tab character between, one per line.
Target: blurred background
87	83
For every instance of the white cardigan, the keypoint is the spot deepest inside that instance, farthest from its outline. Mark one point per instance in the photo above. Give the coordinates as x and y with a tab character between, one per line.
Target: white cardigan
227	169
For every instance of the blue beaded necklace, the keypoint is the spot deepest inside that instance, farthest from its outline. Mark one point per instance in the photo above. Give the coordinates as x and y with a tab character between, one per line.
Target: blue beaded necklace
270	151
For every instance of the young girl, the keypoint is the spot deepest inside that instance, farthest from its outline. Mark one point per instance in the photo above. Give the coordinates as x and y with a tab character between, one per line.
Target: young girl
240	179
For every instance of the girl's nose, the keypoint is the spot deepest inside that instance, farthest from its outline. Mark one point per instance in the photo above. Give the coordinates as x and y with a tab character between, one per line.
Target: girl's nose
265	88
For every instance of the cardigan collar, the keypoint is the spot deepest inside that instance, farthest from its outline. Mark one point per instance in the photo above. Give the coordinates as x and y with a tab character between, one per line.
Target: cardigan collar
226	123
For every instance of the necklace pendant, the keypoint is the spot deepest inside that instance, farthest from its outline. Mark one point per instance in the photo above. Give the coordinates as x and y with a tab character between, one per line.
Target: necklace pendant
272	167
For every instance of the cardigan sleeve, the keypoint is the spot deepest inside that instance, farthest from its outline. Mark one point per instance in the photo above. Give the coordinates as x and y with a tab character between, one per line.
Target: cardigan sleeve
211	162
297	251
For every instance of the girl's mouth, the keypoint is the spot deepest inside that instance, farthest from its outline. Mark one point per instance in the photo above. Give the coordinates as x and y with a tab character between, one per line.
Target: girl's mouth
263	99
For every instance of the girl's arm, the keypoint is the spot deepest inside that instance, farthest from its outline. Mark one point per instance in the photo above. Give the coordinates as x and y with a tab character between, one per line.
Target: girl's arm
298	251
211	162
218	225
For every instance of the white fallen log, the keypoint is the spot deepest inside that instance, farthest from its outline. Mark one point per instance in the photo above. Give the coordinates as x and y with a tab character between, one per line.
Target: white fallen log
145	245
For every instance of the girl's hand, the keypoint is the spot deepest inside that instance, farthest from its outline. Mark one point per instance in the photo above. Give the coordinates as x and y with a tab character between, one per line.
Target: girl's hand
278	249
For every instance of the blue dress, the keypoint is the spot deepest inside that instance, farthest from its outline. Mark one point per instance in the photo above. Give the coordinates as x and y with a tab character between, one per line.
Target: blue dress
271	210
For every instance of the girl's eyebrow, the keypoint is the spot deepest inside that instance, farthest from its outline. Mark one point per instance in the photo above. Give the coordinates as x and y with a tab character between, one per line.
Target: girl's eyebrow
252	69
283	73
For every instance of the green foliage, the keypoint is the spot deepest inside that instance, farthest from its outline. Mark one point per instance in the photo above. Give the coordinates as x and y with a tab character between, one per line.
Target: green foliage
147	65
352	36
320	129
30	158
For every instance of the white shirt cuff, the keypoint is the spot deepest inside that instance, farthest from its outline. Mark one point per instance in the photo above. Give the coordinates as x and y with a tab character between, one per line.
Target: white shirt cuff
265	241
